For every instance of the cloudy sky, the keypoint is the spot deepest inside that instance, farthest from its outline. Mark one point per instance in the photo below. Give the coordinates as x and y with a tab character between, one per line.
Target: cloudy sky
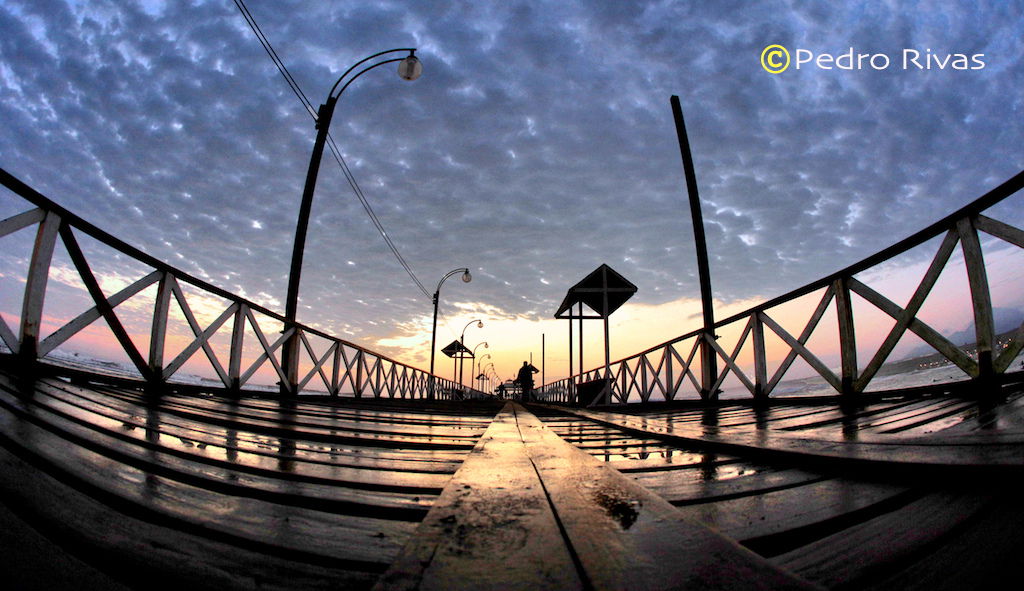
538	144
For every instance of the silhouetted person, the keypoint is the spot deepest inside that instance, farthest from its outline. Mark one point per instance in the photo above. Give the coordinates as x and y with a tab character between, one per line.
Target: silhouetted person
501	390
525	379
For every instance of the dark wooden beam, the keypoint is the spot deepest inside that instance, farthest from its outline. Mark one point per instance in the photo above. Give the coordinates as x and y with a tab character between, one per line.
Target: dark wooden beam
529	511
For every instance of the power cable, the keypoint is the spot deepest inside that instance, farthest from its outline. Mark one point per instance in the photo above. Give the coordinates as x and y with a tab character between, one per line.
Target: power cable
251	21
335	151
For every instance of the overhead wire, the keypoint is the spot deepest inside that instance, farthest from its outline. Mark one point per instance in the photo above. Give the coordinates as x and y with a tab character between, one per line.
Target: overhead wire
251	21
335	151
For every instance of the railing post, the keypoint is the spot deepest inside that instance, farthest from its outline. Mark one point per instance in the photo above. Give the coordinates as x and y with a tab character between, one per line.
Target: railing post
336	370
358	384
847	336
760	362
158	332
981	301
670	383
290	362
237	343
35	287
378	387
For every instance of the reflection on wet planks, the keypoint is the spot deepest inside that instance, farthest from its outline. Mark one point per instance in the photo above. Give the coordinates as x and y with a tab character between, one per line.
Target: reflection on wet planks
835	528
319	484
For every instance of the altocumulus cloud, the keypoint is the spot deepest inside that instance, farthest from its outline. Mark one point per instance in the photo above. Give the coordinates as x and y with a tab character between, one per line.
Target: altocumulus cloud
538	144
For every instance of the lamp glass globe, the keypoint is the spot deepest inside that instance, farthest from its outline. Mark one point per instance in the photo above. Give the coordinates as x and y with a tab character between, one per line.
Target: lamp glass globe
410	68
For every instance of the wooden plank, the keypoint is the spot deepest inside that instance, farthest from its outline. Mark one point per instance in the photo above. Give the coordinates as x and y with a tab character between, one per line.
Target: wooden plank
626	537
238	439
832	418
760	517
1007	417
884	545
711	481
670	459
346	411
491	528
985	554
992	454
581	519
21	220
1000	230
31	560
286	425
145	548
927	415
222	450
315	536
277	485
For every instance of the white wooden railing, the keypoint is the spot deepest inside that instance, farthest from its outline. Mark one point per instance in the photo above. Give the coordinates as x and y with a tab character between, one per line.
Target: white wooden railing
666	371
340	368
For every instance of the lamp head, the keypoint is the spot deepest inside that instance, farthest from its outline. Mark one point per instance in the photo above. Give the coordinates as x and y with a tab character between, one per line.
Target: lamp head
466	277
410	68
480	324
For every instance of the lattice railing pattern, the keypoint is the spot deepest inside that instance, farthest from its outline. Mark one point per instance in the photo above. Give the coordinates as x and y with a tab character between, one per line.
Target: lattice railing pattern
342	368
667	370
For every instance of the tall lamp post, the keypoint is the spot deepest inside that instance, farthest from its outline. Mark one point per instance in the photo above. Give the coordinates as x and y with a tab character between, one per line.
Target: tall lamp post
482	358
472	364
489	374
462	341
409	68
466	278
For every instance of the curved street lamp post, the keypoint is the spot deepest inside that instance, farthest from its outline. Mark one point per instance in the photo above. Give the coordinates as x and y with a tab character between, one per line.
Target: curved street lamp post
409	68
462	341
466	278
472	363
482	358
485	374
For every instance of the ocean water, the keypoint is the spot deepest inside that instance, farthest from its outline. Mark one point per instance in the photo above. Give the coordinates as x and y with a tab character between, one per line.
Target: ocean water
816	386
798	387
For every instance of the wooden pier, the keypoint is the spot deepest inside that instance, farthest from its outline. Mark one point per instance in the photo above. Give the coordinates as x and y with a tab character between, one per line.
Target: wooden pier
118	487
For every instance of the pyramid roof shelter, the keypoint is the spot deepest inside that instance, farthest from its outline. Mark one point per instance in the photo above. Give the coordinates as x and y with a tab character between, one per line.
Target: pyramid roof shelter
604	291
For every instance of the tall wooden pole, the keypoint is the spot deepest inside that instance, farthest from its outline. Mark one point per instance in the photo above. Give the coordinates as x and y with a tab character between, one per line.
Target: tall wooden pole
709	371
543	360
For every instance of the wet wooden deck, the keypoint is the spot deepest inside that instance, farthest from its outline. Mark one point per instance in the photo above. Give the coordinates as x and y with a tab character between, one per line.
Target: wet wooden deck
215	493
